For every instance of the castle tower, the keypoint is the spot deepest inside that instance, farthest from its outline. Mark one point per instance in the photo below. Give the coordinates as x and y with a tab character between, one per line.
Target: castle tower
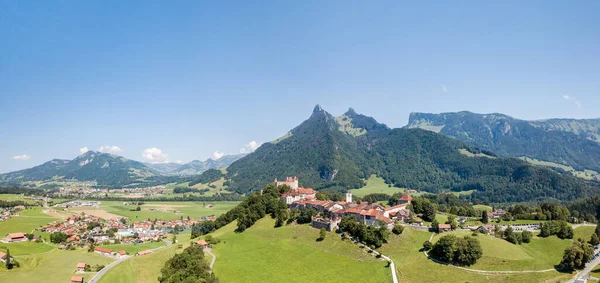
348	196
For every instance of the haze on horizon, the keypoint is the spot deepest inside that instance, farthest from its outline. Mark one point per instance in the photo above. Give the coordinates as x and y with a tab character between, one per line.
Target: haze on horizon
193	80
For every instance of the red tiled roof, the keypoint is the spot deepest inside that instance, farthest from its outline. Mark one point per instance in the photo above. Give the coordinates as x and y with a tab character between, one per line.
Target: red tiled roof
16	235
444	226
76	279
81	265
102	250
397	206
406	196
122	252
202	243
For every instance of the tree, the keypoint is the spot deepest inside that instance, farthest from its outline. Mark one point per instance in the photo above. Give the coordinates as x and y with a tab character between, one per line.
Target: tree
322	234
452	221
460	251
138	208
9	263
435	226
398	229
429	211
594	241
427	245
484	217
526	236
174	239
188	266
577	255
58	237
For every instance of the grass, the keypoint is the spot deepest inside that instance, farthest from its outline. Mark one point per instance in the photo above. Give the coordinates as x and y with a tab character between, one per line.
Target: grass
56	266
376	185
586	174
144	268
26	248
132	249
28	220
413	266
191	209
13	197
483	207
499	254
291	254
584	232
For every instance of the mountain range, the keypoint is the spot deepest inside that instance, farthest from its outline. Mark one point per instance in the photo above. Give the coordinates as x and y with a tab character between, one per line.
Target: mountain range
568	142
338	153
104	169
195	166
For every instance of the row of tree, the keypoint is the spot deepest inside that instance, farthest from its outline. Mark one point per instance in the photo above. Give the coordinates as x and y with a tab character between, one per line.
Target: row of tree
460	251
372	236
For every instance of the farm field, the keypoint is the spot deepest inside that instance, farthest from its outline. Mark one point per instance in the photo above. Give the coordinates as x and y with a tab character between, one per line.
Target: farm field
413	266
54	267
191	209
13	197
145	268
376	185
28	220
132	249
26	248
499	254
291	254
584	232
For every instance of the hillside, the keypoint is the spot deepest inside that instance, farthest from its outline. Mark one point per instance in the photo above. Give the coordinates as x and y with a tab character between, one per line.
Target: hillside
570	142
336	154
103	168
197	166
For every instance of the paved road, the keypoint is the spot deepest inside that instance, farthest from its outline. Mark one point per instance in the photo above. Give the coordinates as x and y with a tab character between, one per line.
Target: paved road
585	273
104	270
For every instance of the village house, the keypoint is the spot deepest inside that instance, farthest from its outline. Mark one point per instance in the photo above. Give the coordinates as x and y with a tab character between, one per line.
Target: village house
327	224
14	237
103	251
405	198
81	266
3	257
202	243
486	229
76	279
444	227
146	252
122	253
296	193
496	213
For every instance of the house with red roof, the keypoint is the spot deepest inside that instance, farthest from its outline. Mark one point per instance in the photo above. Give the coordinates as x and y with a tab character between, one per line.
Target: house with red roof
76	279
14	237
103	251
81	266
444	227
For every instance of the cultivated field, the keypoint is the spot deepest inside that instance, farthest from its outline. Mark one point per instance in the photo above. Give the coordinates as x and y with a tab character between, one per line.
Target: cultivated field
28	220
152	210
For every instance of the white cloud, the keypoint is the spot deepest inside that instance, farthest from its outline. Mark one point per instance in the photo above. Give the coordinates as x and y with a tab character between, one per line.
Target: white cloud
179	162
217	155
155	155
574	99
110	149
250	147
83	150
444	89
21	157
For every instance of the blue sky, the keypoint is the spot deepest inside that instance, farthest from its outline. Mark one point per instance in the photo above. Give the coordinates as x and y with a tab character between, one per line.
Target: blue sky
192	78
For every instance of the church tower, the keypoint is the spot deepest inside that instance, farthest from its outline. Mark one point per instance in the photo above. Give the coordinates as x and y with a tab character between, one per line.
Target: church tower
348	196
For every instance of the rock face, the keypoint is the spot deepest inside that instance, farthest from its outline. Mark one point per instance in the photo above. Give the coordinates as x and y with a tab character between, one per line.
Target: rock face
571	142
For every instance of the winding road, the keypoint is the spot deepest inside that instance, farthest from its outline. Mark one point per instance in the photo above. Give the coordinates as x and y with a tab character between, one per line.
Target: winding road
214	257
104	270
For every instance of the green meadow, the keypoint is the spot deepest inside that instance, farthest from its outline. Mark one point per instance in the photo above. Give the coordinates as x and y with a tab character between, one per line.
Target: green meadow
134	248
376	185
413	266
292	254
53	267
28	220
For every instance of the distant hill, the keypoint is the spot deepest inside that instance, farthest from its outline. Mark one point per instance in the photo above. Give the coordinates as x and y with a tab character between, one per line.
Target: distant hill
103	168
198	167
570	142
338	153
195	166
164	168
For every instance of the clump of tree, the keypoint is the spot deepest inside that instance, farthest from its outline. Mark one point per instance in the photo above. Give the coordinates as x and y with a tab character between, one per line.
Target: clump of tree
484	217
577	255
560	228
460	251
542	212
212	240
595	239
58	237
398	229
180	190
423	206
372	236
188	266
